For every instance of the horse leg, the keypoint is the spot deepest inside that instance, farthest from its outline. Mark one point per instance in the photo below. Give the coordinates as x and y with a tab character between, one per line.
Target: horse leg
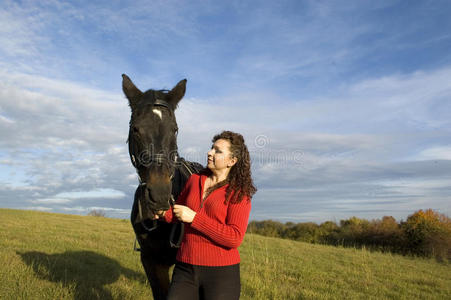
158	276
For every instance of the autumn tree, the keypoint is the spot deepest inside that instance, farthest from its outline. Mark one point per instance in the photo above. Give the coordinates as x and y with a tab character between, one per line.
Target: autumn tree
429	233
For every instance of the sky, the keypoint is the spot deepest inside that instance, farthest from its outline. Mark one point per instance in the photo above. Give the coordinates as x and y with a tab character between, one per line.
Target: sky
345	106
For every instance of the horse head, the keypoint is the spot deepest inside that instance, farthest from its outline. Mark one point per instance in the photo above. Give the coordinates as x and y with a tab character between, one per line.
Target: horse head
152	142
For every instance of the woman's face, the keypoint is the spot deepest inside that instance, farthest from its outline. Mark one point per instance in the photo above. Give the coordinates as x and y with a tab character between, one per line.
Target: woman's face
220	157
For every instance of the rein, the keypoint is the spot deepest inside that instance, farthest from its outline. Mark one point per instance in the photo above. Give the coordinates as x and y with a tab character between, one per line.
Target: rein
189	170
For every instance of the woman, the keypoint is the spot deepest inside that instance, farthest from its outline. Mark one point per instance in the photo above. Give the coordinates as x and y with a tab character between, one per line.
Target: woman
215	207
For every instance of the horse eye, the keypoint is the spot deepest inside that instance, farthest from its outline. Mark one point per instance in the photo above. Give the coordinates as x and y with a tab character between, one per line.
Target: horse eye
176	131
135	130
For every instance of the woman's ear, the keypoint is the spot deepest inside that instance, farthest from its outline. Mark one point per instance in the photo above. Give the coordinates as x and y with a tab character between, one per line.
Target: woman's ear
232	162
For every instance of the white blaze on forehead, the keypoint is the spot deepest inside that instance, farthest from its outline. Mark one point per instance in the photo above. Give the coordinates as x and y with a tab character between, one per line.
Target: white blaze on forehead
158	113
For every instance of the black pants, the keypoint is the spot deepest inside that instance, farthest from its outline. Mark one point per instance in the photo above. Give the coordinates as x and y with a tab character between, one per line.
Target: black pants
208	283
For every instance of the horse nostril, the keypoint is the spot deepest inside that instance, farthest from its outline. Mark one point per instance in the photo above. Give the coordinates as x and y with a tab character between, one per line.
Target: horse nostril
149	196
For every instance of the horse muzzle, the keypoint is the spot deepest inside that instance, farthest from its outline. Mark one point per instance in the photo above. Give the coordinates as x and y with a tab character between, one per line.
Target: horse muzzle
158	197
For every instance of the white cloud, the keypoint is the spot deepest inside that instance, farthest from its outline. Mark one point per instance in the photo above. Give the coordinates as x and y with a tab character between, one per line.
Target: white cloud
17	37
53	114
38	208
6	120
417	184
50	201
98	193
435	153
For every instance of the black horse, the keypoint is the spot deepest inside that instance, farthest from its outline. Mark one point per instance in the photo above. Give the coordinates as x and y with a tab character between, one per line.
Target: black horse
162	174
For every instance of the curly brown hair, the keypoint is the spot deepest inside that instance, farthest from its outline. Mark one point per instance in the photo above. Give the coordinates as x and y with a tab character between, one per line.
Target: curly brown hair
239	178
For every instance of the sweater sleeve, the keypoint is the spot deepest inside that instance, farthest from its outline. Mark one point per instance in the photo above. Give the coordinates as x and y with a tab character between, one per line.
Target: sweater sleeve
230	234
168	216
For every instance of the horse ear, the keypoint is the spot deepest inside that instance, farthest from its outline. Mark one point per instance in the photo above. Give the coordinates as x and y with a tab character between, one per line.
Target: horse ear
177	93
130	90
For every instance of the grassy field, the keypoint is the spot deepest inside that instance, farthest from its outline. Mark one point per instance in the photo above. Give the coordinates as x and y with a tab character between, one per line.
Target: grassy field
56	256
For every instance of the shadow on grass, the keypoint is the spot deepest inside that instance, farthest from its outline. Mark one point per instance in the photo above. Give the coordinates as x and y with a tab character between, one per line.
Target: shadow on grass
87	271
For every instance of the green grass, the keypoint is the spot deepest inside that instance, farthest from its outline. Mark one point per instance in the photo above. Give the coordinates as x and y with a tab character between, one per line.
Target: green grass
56	256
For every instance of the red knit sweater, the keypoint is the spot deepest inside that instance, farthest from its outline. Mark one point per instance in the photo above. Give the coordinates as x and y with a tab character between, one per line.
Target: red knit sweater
217	230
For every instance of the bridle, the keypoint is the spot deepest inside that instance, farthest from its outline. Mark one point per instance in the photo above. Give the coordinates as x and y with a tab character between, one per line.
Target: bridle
158	158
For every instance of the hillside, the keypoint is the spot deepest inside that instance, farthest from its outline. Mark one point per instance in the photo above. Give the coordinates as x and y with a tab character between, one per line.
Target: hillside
56	256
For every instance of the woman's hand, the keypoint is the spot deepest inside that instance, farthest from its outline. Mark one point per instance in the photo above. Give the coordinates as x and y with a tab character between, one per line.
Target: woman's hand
184	213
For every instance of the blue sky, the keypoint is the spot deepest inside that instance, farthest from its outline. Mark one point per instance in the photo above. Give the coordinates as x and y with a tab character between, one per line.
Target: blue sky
345	107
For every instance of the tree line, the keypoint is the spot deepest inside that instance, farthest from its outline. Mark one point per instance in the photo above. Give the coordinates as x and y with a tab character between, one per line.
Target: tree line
425	233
